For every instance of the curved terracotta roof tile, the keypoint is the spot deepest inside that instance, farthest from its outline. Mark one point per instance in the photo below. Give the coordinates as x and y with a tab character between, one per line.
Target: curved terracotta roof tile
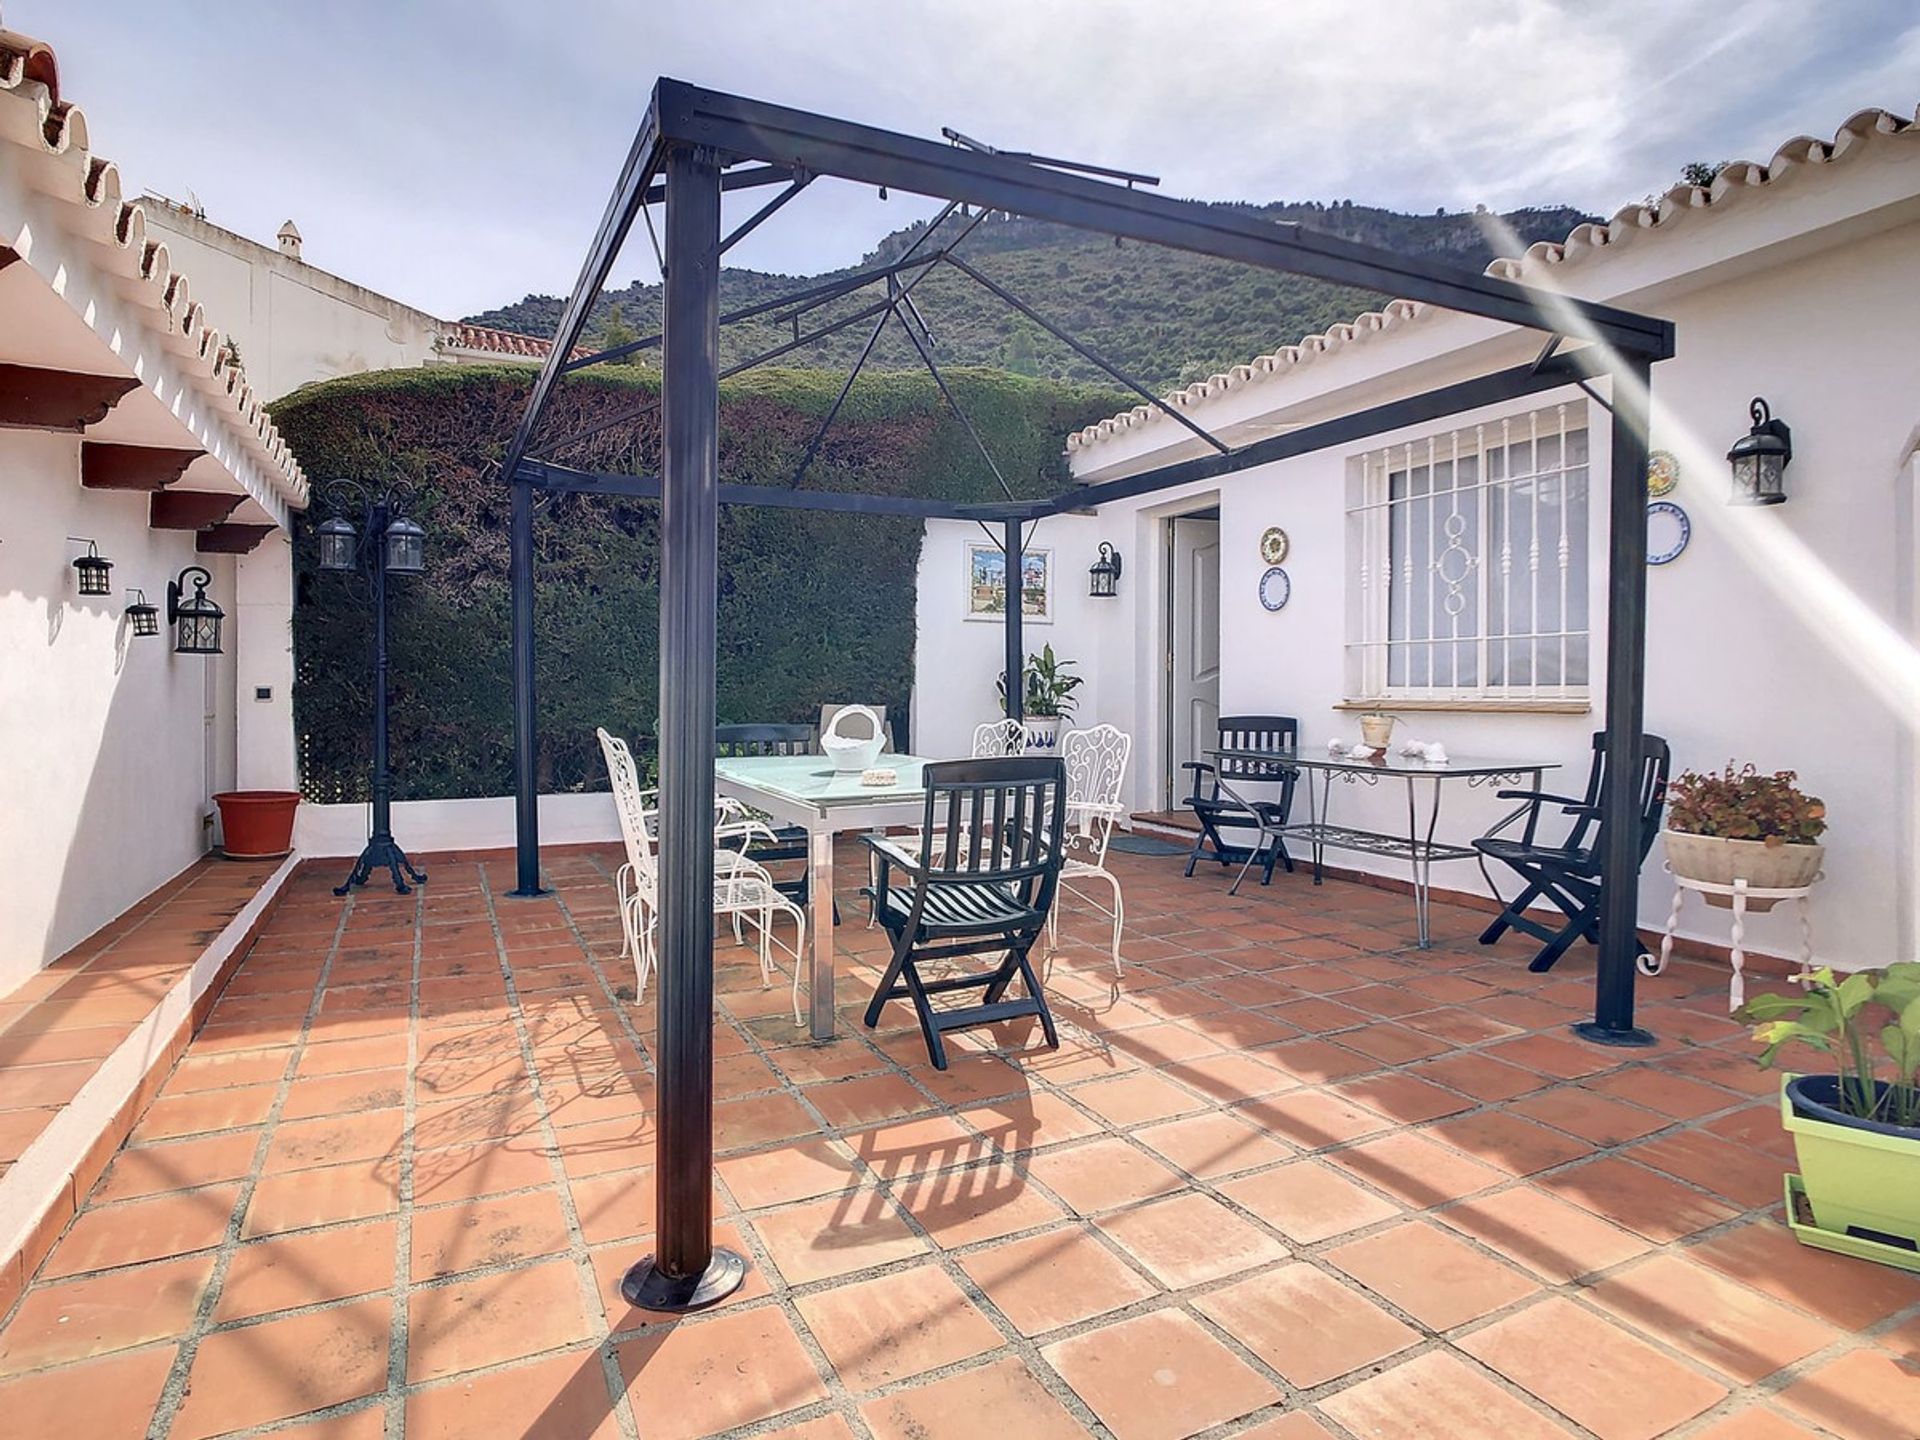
485	340
1739	182
29	75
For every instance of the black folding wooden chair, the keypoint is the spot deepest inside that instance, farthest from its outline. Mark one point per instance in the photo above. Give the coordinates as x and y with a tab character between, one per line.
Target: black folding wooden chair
987	889
789	842
1238	827
1567	874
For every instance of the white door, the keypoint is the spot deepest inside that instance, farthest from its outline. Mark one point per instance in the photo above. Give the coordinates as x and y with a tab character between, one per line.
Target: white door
1193	647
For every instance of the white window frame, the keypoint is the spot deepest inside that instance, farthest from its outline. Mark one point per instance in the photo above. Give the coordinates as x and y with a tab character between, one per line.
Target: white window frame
1461	576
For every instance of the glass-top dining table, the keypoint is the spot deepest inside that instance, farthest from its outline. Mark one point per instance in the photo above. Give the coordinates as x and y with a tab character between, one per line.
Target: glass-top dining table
1242	770
806	791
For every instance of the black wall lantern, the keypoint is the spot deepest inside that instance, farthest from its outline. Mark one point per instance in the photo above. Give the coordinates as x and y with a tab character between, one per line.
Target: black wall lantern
339	542
142	614
1759	459
196	617
1103	576
92	574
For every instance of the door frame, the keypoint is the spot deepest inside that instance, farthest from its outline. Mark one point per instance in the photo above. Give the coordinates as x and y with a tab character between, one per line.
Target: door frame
1192	507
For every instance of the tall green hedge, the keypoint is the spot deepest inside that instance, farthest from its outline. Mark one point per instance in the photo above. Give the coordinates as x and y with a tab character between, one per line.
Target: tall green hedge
813	607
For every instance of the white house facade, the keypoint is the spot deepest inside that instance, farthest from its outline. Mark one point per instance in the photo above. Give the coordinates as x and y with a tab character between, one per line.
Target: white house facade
125	434
1455	575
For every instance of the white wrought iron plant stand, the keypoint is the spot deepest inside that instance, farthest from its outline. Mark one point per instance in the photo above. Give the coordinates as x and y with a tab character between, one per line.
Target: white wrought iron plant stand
1741	895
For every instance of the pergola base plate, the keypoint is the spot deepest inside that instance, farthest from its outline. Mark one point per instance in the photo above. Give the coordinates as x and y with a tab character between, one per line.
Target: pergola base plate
647	1288
1632	1038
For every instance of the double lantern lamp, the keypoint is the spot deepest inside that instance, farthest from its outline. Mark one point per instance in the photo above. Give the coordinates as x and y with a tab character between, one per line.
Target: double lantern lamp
405	541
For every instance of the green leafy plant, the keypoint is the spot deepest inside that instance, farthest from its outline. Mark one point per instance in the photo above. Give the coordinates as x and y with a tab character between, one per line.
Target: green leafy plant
1837	1017
1740	803
1049	688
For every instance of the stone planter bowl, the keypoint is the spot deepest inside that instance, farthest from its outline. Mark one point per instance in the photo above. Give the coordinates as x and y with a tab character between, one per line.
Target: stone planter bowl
1719	861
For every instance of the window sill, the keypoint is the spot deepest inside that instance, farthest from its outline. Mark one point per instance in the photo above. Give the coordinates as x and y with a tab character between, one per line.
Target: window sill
1490	706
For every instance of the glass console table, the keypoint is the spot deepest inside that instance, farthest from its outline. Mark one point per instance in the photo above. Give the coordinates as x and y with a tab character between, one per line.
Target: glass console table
1416	844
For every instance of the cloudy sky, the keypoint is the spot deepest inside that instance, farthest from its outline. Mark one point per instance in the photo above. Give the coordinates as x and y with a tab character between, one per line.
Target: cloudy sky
456	154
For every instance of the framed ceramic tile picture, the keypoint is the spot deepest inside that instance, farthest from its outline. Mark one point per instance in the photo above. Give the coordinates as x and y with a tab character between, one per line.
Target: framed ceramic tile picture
987	583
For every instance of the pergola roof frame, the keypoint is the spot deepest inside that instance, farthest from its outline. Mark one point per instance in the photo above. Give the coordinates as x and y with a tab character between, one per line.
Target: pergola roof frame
684	152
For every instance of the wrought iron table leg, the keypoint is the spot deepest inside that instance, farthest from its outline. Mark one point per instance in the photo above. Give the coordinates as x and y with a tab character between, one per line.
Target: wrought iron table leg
1316	813
1420	857
820	901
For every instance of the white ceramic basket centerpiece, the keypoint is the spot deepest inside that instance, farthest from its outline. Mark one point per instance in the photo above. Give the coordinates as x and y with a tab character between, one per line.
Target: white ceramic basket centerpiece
852	753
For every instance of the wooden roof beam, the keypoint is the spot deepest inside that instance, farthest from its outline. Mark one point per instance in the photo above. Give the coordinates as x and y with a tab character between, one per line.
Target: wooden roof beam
231	539
32	398
105	466
190	509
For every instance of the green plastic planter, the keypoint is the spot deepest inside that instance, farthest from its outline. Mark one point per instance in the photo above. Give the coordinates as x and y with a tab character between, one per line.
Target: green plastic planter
1862	1178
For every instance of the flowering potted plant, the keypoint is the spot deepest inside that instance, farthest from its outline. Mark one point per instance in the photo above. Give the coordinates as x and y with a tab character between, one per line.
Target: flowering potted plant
1049	697
1742	825
1856	1132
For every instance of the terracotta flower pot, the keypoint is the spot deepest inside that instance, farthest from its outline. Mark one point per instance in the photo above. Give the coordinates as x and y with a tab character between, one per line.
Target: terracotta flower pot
257	824
1376	730
1719	861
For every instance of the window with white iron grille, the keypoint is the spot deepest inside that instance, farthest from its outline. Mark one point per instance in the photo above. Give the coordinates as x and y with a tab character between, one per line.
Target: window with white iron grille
1469	574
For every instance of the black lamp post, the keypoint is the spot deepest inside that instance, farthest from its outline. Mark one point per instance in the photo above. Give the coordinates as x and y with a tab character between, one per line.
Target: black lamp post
1103	576
386	543
1759	459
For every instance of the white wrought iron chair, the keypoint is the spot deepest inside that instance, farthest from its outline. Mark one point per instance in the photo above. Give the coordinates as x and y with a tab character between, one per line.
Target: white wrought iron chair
999	737
1096	769
742	890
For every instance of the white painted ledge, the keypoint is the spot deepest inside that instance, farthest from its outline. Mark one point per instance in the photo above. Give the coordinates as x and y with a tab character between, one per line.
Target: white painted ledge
47	1166
425	826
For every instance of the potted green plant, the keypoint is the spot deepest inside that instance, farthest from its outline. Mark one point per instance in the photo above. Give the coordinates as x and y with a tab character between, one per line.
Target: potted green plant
1741	825
1856	1132
1049	697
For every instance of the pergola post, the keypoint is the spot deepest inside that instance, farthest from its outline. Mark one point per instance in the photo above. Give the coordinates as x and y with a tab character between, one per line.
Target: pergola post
1612	1022
685	1272
526	783
1016	642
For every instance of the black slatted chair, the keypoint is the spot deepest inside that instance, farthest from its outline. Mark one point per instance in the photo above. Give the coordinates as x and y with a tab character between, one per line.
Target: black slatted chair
988	891
1566	873
1237	833
789	841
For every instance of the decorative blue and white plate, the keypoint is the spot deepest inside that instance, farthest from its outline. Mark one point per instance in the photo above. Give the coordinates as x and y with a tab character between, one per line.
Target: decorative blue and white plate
1668	531
1275	588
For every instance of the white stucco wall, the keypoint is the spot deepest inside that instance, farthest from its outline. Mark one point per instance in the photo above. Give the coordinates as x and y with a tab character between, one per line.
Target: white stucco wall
103	737
1782	636
265	754
958	661
294	322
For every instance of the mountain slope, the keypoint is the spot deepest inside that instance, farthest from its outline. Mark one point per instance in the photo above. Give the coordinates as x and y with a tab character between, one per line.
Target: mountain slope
1163	316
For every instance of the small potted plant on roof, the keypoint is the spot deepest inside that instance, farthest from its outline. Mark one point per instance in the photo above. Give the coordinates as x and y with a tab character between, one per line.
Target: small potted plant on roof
1856	1131
1049	697
1741	825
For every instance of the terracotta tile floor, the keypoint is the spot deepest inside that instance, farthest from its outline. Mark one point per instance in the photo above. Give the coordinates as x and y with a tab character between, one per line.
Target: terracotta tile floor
1287	1179
56	1028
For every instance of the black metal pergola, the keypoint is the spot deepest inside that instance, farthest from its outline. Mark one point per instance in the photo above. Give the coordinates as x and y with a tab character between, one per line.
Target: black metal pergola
693	144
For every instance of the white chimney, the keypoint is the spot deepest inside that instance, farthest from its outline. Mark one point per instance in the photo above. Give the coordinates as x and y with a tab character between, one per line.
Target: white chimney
290	240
